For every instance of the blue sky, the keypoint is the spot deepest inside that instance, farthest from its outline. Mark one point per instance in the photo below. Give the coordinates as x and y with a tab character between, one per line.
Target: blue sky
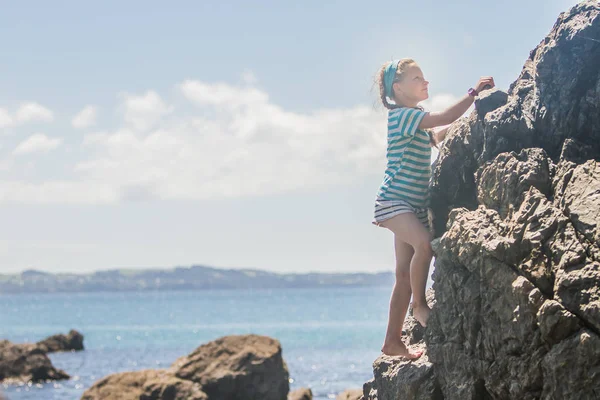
231	134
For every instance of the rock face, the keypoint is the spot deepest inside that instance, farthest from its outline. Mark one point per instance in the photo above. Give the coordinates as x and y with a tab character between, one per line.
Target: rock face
517	271
26	362
73	341
230	368
557	96
517	284
396	378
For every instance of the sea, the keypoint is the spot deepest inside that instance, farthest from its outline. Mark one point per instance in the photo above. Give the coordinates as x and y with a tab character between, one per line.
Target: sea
329	336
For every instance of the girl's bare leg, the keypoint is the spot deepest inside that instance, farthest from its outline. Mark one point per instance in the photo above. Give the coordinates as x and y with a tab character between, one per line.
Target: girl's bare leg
401	293
412	270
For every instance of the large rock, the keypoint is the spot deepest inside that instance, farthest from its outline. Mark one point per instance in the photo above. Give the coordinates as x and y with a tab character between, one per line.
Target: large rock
230	368
21	363
144	385
514	284
516	198
556	97
73	341
226	367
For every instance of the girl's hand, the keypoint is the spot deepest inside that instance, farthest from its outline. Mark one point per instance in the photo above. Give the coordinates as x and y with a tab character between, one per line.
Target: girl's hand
484	82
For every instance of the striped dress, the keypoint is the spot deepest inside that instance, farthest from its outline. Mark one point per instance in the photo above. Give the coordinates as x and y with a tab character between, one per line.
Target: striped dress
405	186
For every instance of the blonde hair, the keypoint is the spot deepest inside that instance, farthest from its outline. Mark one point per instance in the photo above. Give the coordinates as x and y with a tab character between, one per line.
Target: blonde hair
403	65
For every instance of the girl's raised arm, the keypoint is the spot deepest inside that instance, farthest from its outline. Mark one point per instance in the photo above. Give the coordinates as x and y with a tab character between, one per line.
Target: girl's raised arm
452	113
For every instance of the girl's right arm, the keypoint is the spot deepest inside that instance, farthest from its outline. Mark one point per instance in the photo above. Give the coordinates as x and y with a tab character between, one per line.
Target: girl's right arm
451	114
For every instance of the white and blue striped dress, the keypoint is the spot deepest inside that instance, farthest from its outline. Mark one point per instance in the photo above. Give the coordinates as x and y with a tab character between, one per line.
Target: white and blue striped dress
405	187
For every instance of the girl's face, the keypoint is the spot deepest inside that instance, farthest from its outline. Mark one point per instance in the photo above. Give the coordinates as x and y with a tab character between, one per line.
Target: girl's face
413	85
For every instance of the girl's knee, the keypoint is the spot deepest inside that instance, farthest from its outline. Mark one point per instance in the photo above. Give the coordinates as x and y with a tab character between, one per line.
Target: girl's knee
423	246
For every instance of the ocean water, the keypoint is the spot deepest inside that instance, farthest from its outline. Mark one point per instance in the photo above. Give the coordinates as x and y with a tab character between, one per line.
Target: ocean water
329	337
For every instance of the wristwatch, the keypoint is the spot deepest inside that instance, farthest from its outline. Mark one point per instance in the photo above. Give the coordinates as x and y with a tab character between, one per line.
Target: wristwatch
472	92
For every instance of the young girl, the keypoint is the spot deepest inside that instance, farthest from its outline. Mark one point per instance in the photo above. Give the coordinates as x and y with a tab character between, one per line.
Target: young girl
402	200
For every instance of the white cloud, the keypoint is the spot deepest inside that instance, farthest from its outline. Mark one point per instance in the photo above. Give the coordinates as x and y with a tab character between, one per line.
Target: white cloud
440	102
234	143
238	144
33	112
37	143
85	118
144	111
56	192
5	118
223	95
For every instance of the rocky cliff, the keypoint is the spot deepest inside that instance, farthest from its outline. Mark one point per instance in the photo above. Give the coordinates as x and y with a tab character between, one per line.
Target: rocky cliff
516	199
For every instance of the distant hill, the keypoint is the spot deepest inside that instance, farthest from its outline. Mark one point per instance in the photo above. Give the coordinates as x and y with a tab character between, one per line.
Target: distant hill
181	278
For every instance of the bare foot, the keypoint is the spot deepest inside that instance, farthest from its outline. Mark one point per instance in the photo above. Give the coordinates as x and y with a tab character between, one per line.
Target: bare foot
398	348
421	313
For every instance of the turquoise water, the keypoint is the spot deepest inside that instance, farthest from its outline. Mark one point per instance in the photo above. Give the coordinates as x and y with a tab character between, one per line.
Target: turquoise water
329	337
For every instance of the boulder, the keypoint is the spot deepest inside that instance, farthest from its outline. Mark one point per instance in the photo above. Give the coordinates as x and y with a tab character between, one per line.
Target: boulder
232	367
249	364
350	394
73	341
21	363
301	394
144	385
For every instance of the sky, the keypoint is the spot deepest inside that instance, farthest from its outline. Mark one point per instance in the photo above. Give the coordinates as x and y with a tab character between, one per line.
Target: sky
232	134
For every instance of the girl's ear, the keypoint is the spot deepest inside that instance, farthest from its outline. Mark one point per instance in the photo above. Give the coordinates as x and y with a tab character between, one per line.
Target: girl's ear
396	87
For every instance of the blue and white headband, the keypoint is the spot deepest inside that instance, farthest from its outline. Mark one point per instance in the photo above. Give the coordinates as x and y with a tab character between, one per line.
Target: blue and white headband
388	78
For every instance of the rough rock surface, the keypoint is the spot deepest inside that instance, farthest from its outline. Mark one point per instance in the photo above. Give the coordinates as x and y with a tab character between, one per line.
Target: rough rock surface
350	394
229	368
26	362
516	199
557	96
73	341
412	329
397	378
147	385
301	394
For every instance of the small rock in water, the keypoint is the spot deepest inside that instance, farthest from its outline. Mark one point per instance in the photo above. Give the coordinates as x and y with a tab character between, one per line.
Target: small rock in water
301	394
350	394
